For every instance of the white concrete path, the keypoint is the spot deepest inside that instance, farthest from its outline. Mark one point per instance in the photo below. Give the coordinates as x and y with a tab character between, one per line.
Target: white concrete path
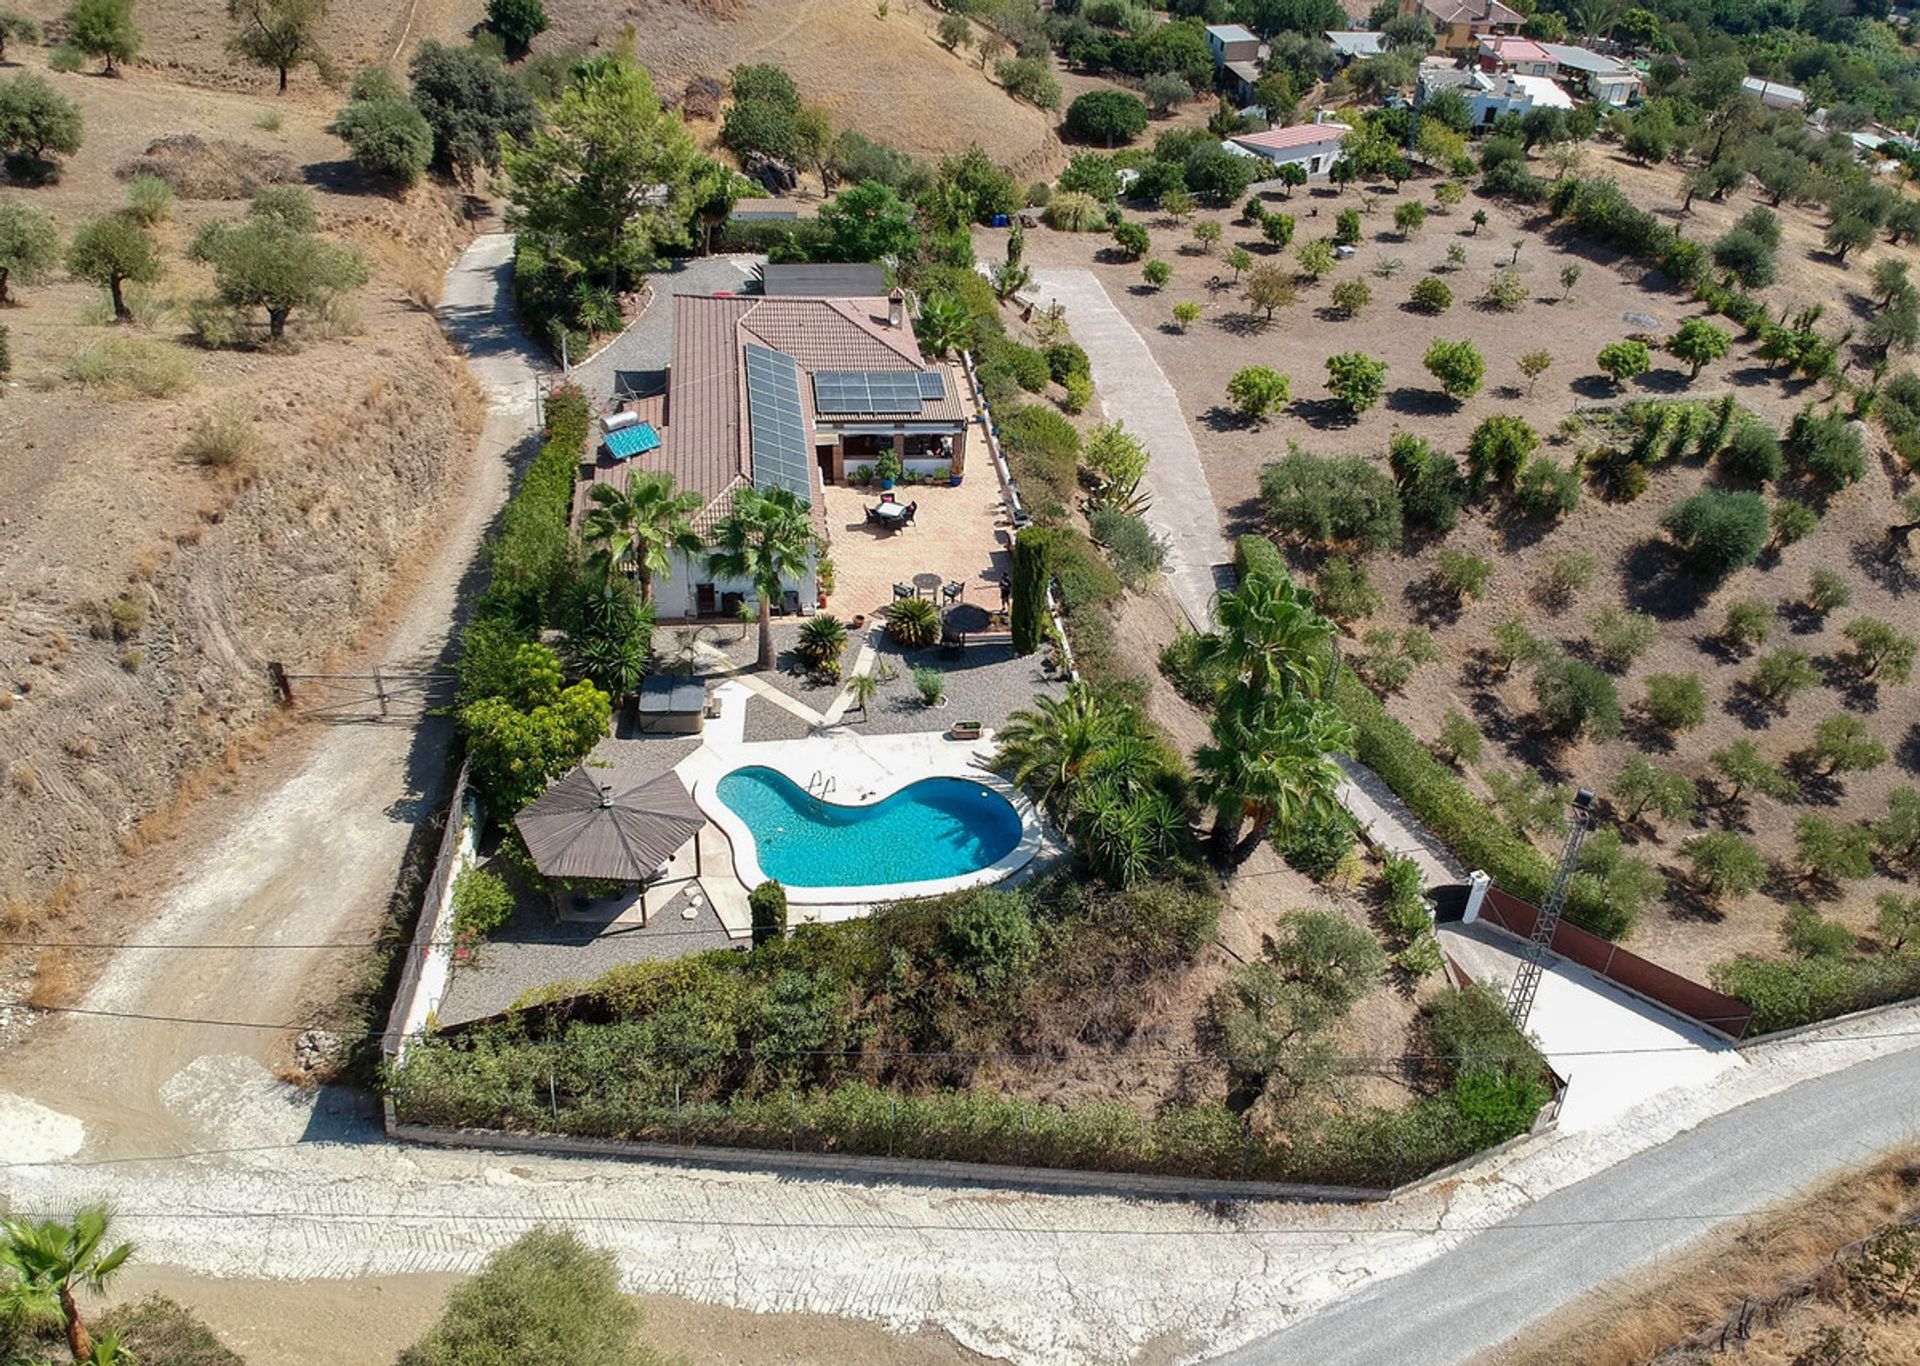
1614	1050
1133	389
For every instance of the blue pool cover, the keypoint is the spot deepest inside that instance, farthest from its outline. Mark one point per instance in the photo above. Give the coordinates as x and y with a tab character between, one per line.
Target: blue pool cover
628	442
934	828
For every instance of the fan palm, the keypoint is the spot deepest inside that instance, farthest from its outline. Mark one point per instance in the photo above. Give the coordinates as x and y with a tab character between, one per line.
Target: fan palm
767	539
944	324
1127	837
647	521
1048	745
48	1259
1271	639
1270	764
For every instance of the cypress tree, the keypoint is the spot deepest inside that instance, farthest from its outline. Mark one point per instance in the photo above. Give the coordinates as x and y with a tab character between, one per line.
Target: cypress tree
1032	568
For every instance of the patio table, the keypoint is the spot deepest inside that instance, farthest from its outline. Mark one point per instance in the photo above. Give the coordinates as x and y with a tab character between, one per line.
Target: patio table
891	512
927	583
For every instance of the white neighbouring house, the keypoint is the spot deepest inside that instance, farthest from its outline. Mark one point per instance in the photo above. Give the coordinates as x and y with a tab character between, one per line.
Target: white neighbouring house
1313	147
1489	95
1594	74
1773	94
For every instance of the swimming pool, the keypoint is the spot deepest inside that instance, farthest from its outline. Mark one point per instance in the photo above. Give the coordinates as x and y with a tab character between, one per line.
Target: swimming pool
929	831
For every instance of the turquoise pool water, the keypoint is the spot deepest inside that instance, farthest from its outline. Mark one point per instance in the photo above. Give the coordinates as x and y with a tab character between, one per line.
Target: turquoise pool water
934	828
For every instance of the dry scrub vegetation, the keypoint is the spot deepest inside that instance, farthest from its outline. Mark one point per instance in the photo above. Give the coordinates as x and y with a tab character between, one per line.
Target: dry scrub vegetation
178	513
1789	1286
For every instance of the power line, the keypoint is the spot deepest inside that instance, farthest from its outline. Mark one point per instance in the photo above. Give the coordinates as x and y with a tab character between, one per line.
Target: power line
1374	1061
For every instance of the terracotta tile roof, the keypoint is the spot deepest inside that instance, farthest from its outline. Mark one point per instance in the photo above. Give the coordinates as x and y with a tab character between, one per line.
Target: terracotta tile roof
833	334
1295	135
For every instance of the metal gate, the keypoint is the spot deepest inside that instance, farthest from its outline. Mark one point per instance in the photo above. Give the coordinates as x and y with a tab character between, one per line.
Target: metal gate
384	694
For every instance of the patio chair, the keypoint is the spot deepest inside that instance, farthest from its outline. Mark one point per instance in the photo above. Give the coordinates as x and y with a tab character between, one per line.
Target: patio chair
904	590
913	508
952	592
873	516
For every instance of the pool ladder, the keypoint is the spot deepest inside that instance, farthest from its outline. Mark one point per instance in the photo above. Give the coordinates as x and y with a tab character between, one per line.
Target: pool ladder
820	784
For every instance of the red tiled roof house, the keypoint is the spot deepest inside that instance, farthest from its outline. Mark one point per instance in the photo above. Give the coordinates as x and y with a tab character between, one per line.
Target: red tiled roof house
781	392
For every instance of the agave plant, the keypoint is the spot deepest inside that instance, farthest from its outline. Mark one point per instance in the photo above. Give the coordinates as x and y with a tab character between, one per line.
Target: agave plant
913	623
822	639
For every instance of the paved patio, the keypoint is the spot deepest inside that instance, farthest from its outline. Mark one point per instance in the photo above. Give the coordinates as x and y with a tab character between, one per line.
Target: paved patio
958	535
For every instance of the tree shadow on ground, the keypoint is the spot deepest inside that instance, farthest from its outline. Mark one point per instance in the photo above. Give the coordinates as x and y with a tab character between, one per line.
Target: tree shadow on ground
1599	388
1906	753
1655	584
1241	323
1687	902
1817	786
1893	575
1433	604
1221	418
1414	402
1665	380
1857	693
1752	708
1799	618
1643	731
1245	518
1322	413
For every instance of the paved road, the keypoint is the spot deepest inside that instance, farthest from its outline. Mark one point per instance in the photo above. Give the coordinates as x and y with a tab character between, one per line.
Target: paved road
1134	389
1491	1287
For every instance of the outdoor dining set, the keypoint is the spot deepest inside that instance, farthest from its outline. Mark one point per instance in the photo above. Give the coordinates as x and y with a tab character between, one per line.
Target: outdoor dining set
893	514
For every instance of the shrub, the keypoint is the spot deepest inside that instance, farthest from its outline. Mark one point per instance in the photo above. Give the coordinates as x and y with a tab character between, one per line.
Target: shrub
1032	573
1791	522
1878	650
38	125
1506	291
1132	240
1315	258
1753	455
1156	273
1576	699
1066	359
1317	844
930	683
1613	887
767	903
1277	228
913	623
1085	578
1074	211
482	903
1698	342
158	1330
1676	702
1528	803
1827	592
1344	592
1643	787
1567	574
390	139
1030	79
1498	449
221	438
546	1299
126	367
1431	294
1432	490
1546	490
1799	991
1620	636
1107	117
1748	624
1182	662
518	22
1464	577
1137	553
1331	500
149	200
1356	379
1897	836
1460	739
1045	448
1622	360
1724	863
1825	451
1782	675
1717	532
1258	390
1350	296
1829	851
1458	366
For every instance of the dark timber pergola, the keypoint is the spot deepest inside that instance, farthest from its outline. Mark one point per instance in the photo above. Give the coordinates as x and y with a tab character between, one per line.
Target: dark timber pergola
610	825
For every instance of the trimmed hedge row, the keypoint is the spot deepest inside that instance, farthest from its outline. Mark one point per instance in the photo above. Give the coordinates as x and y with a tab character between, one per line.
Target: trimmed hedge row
1372	1148
1475	833
529	559
1797	991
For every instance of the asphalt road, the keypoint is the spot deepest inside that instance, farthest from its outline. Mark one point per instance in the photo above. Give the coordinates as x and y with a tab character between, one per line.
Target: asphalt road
1490	1288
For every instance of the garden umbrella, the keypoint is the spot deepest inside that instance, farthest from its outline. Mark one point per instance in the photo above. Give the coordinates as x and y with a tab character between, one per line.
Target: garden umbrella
609	824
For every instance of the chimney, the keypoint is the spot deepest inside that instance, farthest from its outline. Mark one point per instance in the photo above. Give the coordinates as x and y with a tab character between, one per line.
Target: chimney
896	308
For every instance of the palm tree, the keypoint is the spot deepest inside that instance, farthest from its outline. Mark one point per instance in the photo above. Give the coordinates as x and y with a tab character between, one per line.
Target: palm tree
944	324
648	521
863	688
1046	746
767	539
48	1259
1268	765
1271	640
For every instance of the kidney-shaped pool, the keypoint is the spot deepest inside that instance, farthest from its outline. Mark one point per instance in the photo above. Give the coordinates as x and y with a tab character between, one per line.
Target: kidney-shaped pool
929	830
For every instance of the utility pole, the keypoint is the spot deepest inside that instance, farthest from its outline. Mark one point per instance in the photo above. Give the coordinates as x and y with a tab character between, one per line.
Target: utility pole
1527	982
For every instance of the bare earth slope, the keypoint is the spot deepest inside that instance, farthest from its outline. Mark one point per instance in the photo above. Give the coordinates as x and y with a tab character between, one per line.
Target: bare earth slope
141	594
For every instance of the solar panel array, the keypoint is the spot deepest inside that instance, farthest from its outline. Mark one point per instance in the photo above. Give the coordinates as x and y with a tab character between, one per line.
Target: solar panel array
874	391
777	436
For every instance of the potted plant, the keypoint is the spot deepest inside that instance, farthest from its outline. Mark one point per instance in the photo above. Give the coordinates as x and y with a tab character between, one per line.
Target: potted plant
953	477
823	577
932	685
887	468
863	475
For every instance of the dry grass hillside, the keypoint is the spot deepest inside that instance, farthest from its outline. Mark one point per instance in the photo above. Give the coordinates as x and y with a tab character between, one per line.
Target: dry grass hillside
142	589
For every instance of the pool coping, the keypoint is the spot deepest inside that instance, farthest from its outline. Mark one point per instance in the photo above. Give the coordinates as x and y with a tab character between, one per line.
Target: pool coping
746	857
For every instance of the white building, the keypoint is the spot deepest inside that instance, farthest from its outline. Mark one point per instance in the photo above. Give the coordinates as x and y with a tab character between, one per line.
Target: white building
1314	147
1489	95
1773	94
1595	75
